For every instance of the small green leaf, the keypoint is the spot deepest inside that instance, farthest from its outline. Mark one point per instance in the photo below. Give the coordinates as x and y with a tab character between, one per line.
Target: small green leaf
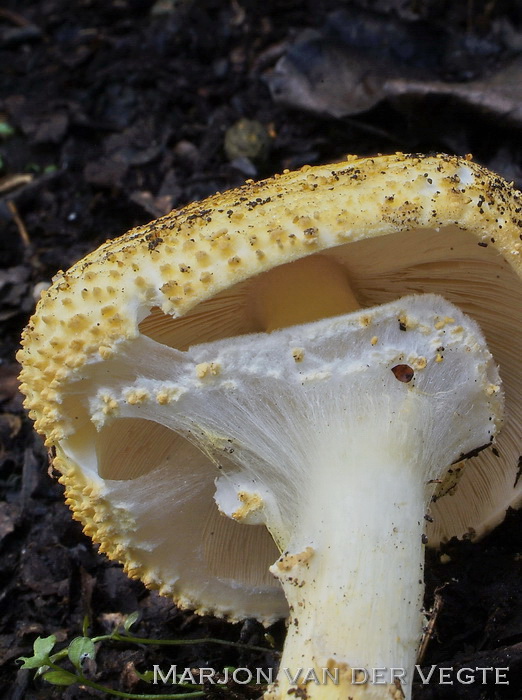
50	169
79	649
147	677
43	646
130	620
60	677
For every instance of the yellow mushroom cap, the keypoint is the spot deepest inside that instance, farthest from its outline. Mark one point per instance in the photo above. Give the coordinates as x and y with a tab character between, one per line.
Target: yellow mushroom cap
398	224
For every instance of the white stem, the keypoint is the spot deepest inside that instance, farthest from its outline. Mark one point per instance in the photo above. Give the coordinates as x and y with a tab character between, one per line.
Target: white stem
355	593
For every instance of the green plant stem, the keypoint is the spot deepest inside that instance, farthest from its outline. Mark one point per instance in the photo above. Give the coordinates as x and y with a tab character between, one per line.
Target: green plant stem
175	642
116	636
131	696
134	696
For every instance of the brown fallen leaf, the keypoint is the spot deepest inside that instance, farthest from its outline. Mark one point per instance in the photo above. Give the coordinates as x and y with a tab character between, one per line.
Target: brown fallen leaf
345	71
327	78
499	95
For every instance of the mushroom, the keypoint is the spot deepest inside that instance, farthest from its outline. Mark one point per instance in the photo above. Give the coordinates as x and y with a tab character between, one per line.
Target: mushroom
243	356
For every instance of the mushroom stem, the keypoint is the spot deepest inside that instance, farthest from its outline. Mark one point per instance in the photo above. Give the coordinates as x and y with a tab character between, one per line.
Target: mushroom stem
306	290
355	599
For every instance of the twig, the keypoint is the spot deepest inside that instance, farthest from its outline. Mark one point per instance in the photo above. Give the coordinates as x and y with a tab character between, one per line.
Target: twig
19	223
11	182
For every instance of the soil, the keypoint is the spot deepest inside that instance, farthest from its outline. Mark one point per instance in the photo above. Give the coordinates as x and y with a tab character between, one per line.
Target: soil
112	112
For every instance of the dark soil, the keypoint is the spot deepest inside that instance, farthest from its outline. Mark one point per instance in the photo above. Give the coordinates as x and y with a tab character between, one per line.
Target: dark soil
112	114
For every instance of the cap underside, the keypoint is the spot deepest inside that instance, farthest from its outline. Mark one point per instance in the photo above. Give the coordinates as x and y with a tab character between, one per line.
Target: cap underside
399	225
227	562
